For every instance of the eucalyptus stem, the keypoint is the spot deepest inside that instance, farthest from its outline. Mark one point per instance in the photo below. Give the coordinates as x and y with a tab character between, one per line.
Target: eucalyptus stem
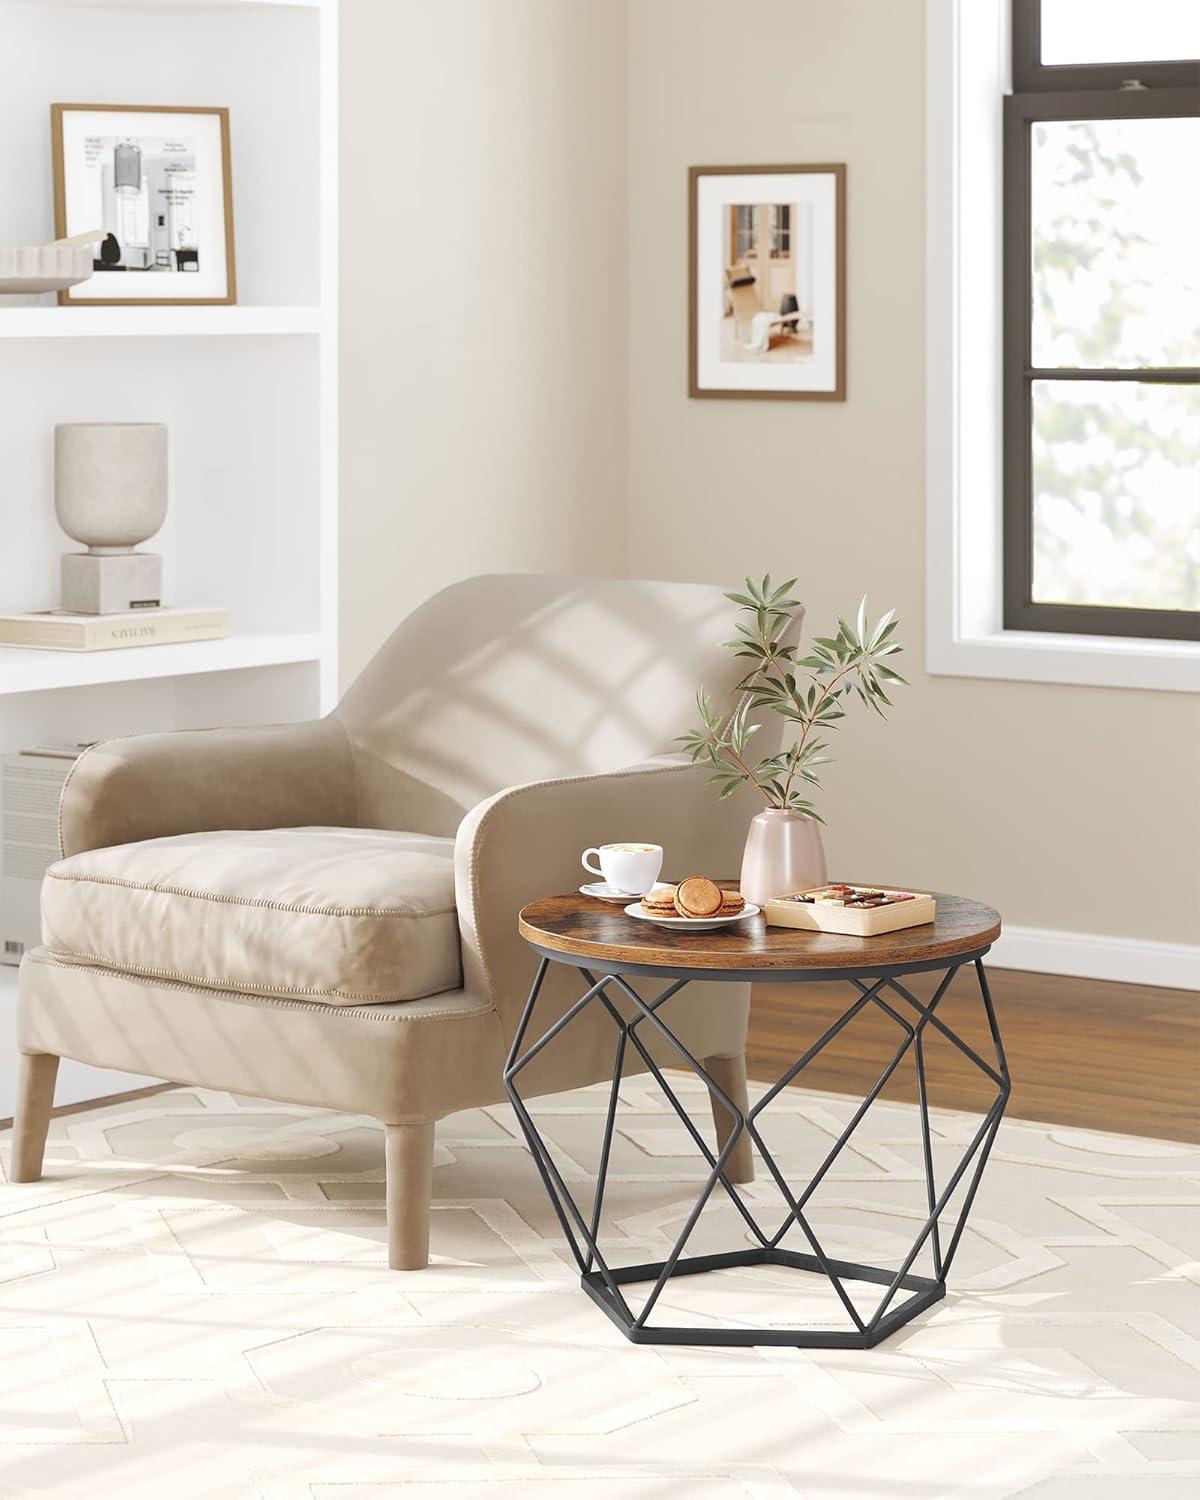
747	773
803	690
807	725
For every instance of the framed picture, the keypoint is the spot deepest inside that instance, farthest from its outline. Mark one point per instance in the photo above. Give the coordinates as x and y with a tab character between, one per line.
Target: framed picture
157	179
767	282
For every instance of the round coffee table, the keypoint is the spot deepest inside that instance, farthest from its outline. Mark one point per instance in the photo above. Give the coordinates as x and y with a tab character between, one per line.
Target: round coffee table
609	948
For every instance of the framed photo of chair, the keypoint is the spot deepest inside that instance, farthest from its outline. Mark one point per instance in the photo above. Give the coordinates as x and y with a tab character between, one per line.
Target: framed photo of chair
767	282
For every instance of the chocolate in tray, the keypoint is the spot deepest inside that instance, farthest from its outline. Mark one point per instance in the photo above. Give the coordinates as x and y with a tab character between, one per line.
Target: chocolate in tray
860	897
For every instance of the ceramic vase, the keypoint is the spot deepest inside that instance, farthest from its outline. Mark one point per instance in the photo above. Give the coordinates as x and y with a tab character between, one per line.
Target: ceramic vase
783	853
110	482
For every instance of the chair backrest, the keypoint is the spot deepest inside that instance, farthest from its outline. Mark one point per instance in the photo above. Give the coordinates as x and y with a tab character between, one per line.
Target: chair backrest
509	678
743	292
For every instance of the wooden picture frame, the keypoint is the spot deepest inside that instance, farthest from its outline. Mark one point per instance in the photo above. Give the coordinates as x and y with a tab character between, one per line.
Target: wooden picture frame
739	347
216	288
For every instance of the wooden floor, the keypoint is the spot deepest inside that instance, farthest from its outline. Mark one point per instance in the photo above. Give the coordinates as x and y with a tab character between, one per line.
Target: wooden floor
1100	1056
1121	1057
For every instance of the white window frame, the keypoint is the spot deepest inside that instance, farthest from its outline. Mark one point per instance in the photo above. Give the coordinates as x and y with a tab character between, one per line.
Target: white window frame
967	73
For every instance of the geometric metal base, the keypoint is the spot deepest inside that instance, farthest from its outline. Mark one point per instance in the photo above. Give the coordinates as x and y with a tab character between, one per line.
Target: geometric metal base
603	1282
927	1293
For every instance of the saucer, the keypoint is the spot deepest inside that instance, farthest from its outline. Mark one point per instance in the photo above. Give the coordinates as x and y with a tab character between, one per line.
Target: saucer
605	892
695	924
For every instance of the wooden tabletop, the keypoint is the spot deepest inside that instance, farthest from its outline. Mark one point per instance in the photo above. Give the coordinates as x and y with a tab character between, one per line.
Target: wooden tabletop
582	927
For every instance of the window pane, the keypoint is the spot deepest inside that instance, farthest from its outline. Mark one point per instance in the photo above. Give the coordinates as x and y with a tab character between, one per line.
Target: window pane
1101	31
781	219
1116	242
1116	494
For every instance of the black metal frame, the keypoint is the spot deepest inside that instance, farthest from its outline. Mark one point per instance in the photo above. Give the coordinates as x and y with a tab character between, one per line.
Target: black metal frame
1086	92
1030	73
603	1283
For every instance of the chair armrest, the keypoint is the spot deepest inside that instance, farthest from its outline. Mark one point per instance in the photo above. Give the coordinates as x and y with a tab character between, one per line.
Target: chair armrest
526	842
193	781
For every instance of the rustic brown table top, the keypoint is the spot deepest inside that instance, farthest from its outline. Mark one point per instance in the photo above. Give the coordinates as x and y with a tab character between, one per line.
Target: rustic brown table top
581	927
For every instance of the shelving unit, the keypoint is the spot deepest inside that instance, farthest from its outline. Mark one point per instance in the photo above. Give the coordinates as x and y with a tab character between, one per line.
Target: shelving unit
156	322
249	392
186	4
47	671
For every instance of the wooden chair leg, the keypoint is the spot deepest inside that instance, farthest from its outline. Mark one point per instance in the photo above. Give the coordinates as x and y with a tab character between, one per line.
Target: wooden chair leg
409	1156
729	1073
35	1099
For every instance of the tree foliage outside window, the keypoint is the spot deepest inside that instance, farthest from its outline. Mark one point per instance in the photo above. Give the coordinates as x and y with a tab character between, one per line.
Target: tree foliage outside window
1116	284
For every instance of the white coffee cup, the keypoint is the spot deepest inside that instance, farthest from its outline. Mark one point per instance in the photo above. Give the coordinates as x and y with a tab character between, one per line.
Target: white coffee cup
630	868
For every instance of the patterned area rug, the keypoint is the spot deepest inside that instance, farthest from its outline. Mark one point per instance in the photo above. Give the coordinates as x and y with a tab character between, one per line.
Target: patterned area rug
193	1303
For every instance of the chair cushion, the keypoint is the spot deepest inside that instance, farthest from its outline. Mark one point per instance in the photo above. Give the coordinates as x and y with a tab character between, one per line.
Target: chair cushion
349	916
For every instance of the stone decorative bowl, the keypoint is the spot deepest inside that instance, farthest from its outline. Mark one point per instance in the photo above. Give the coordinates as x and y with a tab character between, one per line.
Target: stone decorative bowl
43	268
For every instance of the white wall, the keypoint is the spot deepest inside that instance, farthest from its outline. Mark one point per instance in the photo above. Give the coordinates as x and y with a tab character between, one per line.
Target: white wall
483	287
514	438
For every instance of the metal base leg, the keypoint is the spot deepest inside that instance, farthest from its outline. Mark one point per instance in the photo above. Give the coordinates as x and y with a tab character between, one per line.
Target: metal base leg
604	1283
926	1293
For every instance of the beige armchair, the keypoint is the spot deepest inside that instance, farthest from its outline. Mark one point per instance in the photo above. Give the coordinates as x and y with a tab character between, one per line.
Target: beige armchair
325	913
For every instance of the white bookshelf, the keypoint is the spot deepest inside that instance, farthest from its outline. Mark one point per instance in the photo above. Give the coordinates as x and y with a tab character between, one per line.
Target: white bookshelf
183	4
44	671
249	392
157	322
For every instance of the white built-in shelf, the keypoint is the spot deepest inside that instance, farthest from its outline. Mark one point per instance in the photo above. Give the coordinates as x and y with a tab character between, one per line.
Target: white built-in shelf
181	4
248	392
30	671
154	322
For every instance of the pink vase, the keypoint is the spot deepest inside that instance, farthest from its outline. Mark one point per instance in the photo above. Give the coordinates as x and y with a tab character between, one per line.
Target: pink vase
783	853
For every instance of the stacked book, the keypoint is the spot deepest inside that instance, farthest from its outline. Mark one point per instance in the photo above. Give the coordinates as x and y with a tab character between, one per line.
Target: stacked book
59	630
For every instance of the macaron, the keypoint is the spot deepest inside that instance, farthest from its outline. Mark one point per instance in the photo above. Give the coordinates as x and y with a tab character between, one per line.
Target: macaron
732	902
697	896
660	902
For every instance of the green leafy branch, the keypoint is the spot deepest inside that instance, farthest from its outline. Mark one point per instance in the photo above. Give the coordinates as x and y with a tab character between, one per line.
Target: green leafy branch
808	692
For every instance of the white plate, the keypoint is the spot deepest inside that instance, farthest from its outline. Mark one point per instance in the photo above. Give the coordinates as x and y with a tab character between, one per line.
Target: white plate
697	924
605	892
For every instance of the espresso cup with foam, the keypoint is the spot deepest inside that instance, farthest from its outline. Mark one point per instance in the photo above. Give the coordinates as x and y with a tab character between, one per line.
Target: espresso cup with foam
631	868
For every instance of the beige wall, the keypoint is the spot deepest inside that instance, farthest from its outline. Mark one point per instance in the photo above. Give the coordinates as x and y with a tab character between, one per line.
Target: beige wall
517	148
483	297
1072	808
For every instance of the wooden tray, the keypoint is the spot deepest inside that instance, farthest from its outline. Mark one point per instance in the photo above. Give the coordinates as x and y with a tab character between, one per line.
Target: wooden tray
854	921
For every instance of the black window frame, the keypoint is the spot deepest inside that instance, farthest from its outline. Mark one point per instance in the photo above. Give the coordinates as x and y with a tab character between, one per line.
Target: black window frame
1101	91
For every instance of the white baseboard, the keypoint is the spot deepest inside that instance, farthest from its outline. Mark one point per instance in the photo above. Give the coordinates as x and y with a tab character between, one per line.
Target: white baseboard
1088	955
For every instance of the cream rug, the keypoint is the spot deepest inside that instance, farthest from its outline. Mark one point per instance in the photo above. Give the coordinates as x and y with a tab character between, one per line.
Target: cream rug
194	1303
